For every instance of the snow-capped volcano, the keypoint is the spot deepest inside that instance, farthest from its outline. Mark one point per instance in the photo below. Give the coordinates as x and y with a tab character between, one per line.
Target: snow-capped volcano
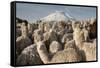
57	16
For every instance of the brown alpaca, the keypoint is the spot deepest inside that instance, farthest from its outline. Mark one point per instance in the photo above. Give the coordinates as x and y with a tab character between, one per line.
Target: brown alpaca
93	28
29	56
68	55
67	37
22	41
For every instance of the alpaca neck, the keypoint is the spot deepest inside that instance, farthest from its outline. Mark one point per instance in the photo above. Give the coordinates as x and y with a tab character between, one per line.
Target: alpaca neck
43	54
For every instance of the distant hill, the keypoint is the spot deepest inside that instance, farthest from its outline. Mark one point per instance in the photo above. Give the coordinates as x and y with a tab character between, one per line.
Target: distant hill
18	20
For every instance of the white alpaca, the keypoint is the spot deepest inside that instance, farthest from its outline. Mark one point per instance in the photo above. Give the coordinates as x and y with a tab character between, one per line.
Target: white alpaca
71	44
78	34
86	35
88	48
68	55
90	51
55	47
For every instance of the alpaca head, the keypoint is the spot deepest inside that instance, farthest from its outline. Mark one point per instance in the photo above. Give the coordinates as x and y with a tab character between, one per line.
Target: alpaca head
76	24
55	46
41	26
92	21
47	27
24	29
66	38
30	28
70	44
40	45
61	24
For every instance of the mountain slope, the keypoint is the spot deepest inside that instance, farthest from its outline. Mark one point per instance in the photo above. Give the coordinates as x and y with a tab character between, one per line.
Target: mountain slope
57	16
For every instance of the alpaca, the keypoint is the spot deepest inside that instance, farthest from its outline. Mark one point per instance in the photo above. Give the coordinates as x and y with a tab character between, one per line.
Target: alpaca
86	35
61	29
55	47
52	35
93	28
90	51
78	34
88	48
67	37
86	30
49	37
68	55
61	33
69	27
38	33
23	41
18	32
29	56
71	44
47	27
30	30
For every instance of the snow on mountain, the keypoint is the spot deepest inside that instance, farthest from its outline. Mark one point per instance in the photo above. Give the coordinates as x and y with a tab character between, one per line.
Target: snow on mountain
58	16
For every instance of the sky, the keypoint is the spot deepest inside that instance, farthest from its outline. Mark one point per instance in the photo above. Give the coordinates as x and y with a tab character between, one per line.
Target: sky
32	12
